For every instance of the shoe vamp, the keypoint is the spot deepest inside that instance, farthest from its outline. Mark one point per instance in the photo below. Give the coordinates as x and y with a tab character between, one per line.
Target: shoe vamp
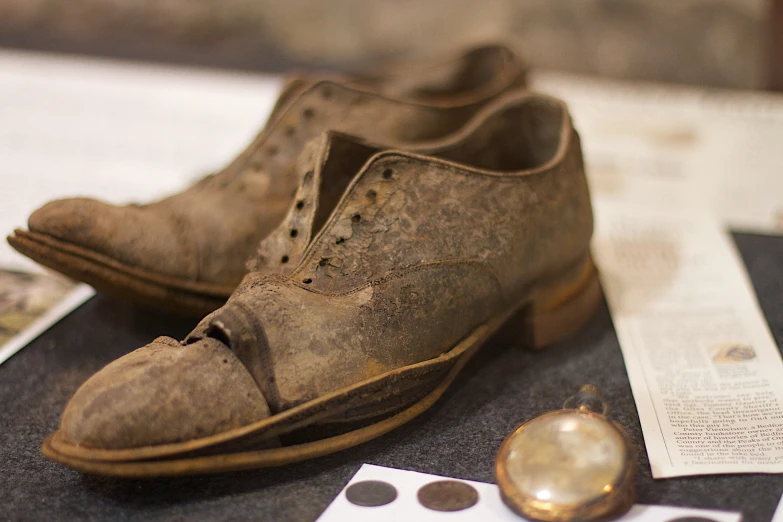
218	229
317	343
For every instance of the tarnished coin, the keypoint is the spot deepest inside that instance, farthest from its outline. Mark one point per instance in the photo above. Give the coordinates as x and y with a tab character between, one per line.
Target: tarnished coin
371	493
447	495
691	519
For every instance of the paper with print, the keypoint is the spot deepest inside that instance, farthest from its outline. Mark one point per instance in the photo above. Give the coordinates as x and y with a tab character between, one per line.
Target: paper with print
706	374
661	146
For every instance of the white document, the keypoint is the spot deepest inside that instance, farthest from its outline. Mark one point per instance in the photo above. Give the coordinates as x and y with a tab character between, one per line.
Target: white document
705	371
114	131
31	303
660	145
489	508
778	516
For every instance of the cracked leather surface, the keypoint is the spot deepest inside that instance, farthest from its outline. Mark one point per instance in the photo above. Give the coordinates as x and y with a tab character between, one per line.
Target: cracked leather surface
506	217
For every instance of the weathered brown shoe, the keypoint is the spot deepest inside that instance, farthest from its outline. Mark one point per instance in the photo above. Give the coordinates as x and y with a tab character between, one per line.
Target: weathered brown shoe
388	273
187	253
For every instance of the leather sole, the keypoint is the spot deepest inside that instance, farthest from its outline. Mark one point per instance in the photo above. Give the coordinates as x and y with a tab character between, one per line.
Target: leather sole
112	277
554	310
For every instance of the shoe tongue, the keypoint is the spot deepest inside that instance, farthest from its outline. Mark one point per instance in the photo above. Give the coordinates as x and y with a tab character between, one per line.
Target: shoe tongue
324	169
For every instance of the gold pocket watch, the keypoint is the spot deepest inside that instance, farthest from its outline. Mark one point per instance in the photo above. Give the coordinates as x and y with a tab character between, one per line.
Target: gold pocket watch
573	464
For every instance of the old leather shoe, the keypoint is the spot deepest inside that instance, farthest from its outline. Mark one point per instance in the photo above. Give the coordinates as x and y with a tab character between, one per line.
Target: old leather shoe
388	273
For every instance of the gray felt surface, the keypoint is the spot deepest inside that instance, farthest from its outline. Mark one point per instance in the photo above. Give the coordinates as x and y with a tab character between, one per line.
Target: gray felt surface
457	438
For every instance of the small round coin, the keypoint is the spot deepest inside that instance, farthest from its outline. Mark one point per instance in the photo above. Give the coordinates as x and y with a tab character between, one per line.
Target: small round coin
447	495
371	493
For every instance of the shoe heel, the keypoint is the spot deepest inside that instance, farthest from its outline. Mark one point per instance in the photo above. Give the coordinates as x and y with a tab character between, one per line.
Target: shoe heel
558	307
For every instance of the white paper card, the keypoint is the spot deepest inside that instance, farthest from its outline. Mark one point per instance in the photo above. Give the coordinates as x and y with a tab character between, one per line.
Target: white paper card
114	131
490	507
778	516
662	145
705	371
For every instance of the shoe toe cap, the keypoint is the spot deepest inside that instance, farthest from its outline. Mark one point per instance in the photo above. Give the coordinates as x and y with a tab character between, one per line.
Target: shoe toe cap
140	237
163	393
76	219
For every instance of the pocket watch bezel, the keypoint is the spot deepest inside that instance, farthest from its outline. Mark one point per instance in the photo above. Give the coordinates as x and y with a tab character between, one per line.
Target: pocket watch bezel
616	500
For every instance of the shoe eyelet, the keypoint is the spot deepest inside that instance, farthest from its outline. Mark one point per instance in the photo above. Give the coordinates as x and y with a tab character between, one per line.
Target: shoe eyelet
307	281
340	240
308	113
300	204
371	195
324	261
284	259
272	150
387	174
294	232
326	92
356	218
290	130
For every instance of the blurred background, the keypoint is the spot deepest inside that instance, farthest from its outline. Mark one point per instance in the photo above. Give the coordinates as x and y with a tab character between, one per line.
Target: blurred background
724	43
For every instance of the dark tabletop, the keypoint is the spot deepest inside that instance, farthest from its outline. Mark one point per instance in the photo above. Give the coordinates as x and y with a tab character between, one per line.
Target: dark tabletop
458	437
